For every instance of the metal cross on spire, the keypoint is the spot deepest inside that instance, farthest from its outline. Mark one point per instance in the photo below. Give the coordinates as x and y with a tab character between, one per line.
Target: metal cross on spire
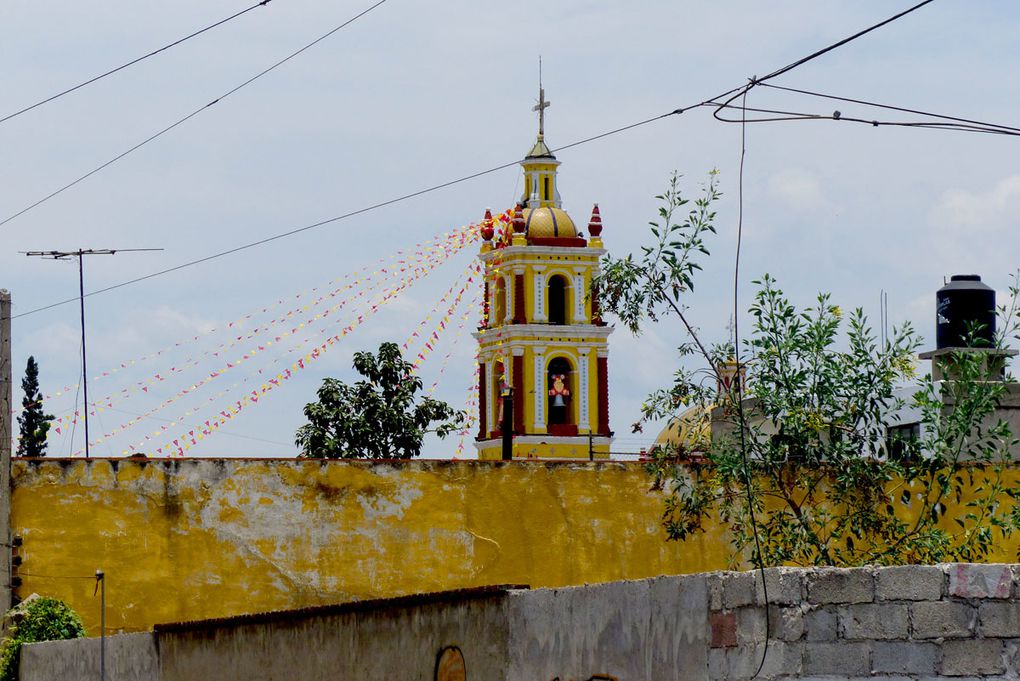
543	104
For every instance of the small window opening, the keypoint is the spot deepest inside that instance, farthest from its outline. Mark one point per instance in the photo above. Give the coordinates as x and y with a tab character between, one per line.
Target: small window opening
558	300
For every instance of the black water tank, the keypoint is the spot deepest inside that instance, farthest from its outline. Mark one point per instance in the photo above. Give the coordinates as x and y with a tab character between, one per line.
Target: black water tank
962	306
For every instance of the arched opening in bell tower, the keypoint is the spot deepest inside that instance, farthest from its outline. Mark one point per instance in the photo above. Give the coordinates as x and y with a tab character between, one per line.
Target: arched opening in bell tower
560	393
499	307
499	381
558	286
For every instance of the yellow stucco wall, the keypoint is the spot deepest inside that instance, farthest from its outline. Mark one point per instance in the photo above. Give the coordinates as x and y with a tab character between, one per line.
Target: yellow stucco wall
193	538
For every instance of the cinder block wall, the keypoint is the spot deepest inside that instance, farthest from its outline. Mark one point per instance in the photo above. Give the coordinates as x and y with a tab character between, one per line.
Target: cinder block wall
910	622
931	623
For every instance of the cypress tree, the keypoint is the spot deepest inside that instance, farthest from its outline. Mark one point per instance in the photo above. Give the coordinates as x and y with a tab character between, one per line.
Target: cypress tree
34	422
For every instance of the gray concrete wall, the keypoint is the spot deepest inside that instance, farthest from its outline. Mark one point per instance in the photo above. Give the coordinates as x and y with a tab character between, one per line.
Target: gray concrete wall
917	623
398	643
643	630
129	657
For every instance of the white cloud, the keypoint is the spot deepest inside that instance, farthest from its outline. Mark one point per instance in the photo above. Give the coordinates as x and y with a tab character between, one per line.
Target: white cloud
798	190
990	211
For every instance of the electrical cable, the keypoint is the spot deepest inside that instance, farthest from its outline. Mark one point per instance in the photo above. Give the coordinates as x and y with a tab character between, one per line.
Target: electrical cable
465	178
112	71
836	116
191	115
742	423
855	36
891	107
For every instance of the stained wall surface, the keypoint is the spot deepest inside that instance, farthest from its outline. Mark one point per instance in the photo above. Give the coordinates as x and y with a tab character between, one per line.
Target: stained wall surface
198	538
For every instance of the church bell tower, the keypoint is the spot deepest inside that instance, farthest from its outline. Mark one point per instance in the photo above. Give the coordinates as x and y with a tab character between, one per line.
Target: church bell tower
542	347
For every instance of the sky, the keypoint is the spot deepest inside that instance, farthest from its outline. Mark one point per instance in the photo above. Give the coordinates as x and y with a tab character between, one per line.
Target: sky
415	94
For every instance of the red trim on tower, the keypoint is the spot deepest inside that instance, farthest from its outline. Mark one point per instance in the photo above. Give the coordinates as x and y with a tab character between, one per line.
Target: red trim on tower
596	311
485	306
518	394
483	402
603	378
519	316
571	241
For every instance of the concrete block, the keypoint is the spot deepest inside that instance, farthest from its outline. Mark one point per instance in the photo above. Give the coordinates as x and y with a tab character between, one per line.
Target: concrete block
972	657
838	585
724	629
738	589
971	580
781	659
904	657
1012	658
999	619
785	586
874	621
837	658
821	624
717	665
942	619
909	583
786	624
714	582
750	626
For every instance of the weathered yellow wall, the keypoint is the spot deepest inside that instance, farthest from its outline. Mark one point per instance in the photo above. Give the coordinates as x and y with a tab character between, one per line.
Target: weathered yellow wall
189	539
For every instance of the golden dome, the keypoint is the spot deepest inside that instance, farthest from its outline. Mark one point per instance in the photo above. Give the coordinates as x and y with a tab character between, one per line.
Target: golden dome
691	430
549	221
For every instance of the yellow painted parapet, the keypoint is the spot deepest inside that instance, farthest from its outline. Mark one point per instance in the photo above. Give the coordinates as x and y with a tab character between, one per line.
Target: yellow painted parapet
197	538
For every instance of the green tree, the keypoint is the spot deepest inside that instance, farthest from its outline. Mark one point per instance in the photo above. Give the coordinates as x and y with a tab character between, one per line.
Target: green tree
34	423
379	417
800	448
35	620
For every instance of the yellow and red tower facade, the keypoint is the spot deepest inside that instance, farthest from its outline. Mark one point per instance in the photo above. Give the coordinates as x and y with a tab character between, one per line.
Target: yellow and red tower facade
542	344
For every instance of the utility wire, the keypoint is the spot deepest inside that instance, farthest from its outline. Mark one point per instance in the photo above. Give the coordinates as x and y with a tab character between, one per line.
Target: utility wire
844	41
781	116
734	93
344	216
132	62
825	50
736	288
191	115
891	107
741	420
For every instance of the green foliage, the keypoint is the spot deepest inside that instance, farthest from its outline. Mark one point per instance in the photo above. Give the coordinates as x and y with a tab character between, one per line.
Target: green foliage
33	422
376	418
39	619
806	447
656	282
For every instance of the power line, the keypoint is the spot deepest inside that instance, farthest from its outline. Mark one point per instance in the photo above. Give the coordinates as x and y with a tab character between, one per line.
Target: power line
825	50
132	62
891	107
191	115
735	92
844	41
344	216
786	116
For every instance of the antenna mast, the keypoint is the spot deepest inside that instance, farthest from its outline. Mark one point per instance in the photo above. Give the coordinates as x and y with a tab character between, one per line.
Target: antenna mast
80	254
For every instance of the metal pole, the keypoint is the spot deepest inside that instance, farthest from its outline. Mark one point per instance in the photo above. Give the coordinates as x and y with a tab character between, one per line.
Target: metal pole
101	578
84	363
6	379
508	424
6	437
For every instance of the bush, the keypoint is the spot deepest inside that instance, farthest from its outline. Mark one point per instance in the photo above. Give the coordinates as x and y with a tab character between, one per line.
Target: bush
37	619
